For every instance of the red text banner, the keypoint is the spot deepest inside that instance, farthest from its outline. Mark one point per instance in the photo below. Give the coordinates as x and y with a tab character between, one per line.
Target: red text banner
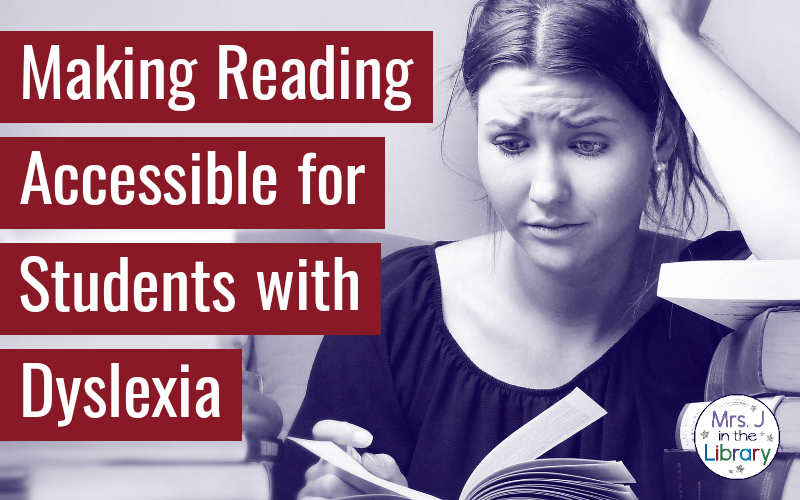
193	183
248	288
217	77
125	395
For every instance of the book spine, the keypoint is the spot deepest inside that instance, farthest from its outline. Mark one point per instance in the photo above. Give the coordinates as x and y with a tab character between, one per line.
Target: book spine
716	372
13	483
687	478
736	365
263	449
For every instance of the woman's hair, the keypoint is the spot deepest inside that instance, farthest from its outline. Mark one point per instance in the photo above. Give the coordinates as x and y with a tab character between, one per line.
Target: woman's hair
608	38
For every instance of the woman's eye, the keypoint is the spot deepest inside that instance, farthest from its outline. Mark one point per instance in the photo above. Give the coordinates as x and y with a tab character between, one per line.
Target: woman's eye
588	148
511	146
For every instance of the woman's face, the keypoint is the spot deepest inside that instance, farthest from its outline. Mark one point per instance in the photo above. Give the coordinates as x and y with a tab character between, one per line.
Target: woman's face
566	162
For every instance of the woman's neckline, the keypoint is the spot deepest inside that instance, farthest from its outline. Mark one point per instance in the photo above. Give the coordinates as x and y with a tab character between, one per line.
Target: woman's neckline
460	354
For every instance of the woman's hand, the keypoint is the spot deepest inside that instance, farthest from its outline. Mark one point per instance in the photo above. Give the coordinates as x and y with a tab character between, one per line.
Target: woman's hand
324	480
687	15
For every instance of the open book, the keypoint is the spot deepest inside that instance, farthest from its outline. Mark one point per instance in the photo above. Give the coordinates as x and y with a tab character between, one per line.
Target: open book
512	468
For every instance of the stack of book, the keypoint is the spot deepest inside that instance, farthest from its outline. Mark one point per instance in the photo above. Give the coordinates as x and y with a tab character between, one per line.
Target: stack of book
761	358
146	470
150	470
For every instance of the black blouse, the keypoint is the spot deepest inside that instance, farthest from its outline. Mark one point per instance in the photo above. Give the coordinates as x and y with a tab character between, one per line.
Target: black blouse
438	414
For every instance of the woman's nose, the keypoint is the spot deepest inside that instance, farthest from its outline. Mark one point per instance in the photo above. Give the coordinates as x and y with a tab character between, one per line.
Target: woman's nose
549	181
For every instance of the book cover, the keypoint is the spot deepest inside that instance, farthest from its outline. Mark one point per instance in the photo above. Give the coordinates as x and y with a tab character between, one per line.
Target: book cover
741	359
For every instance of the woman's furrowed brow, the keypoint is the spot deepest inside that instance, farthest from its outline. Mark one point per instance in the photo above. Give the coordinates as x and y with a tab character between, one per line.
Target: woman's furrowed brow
587	121
522	123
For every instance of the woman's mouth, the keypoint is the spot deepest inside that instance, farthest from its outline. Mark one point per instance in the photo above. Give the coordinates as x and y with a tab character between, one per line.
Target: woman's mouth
555	231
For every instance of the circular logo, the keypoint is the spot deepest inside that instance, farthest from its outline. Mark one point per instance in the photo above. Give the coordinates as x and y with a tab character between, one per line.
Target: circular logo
736	436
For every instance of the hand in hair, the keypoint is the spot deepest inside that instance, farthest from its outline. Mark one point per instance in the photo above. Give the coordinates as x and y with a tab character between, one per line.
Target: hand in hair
323	480
686	14
759	177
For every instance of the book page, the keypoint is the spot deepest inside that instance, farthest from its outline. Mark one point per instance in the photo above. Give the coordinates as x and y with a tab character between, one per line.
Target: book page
557	423
600	473
684	431
331	453
730	292
728	312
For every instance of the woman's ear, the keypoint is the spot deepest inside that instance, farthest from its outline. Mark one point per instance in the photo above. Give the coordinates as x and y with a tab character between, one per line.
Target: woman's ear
667	141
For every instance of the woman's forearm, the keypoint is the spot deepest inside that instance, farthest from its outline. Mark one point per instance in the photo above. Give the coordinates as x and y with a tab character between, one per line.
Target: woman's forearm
754	152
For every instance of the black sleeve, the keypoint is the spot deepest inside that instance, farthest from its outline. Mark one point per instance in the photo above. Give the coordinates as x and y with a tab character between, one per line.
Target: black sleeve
722	245
350	381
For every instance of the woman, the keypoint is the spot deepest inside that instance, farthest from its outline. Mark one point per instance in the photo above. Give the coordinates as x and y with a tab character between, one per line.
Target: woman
578	134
